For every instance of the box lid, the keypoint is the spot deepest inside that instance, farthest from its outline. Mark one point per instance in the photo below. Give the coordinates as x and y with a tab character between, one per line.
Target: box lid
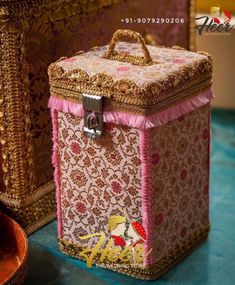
131	76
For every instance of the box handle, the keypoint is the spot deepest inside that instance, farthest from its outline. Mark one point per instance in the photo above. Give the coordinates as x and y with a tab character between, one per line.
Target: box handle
137	60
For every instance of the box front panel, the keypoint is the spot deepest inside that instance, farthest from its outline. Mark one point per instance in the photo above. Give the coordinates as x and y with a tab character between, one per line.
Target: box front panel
100	185
179	175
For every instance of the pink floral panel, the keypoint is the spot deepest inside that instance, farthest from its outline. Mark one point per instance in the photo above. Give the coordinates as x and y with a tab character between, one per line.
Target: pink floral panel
98	178
179	174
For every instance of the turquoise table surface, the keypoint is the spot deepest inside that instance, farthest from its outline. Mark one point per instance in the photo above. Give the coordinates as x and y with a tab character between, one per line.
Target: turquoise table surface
211	264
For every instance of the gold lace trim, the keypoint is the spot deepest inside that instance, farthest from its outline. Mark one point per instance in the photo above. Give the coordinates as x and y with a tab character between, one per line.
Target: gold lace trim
114	105
127	91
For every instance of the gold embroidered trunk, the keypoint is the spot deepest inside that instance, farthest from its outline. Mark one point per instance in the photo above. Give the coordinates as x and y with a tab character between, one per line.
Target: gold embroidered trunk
34	34
131	133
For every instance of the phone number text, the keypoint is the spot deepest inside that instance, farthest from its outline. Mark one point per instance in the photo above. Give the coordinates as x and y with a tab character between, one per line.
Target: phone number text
153	20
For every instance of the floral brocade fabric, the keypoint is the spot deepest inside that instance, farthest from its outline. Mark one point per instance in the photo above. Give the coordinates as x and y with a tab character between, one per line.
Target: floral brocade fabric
165	61
98	178
179	175
103	178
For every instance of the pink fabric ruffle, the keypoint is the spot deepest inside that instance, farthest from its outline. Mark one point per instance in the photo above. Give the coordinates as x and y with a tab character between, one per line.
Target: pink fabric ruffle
56	163
138	121
145	187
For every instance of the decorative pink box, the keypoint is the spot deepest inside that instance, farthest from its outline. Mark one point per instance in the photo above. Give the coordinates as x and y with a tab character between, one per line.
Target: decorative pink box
131	131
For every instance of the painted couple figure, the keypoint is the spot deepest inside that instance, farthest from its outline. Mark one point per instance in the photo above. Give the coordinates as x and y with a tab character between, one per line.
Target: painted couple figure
125	233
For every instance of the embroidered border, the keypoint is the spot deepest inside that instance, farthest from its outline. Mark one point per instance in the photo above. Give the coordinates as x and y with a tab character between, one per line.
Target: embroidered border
151	272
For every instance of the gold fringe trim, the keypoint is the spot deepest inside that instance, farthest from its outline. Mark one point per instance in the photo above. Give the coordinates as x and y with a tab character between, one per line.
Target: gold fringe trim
146	273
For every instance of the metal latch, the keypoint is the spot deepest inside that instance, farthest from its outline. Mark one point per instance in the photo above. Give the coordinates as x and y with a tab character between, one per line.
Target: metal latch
93	116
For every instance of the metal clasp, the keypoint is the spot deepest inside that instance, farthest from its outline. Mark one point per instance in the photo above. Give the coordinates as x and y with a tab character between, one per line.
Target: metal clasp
93	116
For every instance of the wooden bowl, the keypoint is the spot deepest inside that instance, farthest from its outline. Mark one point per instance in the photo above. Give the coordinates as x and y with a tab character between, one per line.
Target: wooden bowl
13	252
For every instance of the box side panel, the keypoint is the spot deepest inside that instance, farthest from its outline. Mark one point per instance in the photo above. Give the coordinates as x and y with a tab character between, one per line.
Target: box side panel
178	208
100	182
